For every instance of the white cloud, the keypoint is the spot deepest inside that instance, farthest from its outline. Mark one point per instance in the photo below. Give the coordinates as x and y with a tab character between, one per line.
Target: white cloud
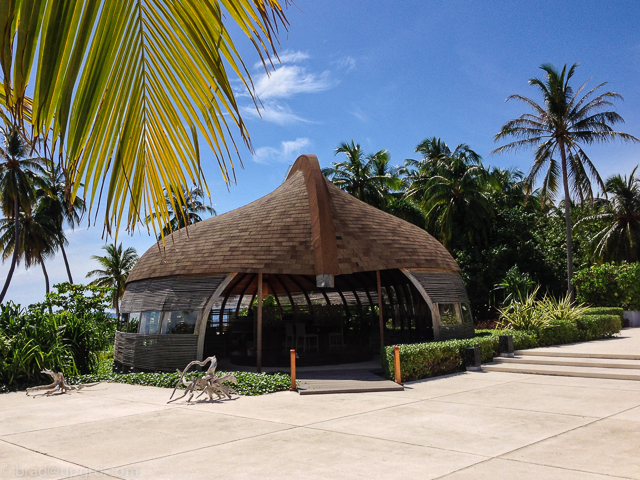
359	114
286	153
346	63
287	81
287	56
274	112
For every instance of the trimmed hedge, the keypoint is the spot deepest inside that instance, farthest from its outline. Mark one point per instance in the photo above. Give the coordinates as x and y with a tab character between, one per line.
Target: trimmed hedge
607	311
593	327
423	360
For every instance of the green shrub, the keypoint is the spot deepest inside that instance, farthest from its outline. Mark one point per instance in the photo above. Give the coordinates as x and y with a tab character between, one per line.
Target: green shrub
594	327
561	308
558	332
524	313
606	311
609	285
422	360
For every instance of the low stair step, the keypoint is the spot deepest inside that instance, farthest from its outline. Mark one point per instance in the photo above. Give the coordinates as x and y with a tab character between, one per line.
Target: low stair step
565	371
571	361
548	352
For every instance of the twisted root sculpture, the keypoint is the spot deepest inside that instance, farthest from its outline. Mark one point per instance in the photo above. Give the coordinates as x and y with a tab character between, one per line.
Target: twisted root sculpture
211	383
59	385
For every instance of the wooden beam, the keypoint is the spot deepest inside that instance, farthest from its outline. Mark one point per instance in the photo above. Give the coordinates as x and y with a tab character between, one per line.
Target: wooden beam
380	308
259	325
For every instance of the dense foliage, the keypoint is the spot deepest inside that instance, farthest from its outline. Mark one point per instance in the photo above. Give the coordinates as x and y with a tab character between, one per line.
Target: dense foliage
68	338
610	285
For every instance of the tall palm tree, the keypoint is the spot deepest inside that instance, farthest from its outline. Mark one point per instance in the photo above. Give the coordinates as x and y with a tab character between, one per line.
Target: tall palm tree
452	187
125	91
560	126
54	200
37	241
367	177
116	267
17	191
620	238
185	208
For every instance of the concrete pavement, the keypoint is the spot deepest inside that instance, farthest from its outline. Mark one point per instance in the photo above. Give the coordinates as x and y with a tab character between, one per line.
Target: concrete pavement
465	426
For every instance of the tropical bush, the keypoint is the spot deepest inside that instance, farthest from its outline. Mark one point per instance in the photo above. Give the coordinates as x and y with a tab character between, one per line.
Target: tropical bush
609	285
525	314
67	339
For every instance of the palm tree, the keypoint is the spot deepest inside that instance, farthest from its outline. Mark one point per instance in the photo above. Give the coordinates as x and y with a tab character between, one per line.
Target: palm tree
116	267
124	92
620	239
54	200
17	192
185	208
37	241
367	177
452	188
561	126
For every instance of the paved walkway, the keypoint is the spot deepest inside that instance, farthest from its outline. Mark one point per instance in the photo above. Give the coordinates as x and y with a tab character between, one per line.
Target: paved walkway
466	426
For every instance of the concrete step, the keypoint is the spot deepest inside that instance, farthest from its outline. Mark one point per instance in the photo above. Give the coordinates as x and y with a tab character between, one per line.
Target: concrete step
570	361
565	371
547	352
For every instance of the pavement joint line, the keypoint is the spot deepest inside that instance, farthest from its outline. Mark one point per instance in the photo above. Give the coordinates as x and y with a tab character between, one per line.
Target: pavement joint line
79	423
534	375
565	468
90	470
295	427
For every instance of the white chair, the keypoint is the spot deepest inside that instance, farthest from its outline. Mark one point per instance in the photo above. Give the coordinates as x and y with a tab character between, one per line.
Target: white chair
336	340
309	340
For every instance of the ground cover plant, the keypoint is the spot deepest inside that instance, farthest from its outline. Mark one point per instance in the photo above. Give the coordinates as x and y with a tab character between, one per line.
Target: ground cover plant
249	383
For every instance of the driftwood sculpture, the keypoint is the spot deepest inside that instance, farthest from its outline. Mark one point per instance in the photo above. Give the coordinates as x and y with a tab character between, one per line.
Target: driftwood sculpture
210	383
59	385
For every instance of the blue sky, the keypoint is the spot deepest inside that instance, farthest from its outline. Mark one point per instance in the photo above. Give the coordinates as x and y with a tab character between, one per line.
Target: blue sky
388	75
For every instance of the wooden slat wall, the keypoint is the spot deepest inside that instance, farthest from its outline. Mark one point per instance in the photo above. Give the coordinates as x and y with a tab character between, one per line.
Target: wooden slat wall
442	287
169	294
163	353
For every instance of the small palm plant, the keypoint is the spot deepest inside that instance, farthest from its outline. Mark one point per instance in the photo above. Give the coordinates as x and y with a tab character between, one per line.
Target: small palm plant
524	314
116	267
562	308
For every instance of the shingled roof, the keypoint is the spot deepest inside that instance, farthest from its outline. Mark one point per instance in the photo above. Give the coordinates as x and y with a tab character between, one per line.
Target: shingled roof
306	226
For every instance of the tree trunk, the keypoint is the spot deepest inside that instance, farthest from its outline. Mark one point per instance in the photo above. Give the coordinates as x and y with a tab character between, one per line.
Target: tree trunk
46	284
116	302
14	259
66	263
567	218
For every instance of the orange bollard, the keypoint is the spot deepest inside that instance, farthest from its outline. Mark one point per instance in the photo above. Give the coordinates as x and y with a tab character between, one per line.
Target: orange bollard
293	371
396	365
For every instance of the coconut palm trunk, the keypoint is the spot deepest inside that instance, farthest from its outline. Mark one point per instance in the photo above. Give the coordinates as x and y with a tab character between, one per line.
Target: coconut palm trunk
14	259
66	262
567	219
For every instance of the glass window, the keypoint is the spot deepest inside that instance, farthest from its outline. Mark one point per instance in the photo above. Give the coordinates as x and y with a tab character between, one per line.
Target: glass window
182	322
133	323
465	308
150	323
449	314
122	322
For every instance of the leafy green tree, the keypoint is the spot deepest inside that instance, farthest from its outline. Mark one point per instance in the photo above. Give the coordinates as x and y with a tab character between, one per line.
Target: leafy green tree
184	208
619	239
54	202
367	177
452	188
117	265
17	192
560	126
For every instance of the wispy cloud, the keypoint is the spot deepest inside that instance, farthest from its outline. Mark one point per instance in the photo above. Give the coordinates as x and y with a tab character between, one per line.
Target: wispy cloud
287	151
273	112
346	63
359	114
287	56
290	80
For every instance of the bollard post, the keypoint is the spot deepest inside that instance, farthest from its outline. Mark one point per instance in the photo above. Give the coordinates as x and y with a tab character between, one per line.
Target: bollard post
506	346
473	359
396	365
294	387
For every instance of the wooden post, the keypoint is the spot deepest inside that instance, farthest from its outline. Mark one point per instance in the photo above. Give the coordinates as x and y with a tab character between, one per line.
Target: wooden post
380	308
259	327
396	365
294	387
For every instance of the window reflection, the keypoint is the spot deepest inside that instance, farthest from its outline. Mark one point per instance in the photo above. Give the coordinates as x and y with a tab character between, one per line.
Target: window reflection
150	323
449	314
181	322
465	308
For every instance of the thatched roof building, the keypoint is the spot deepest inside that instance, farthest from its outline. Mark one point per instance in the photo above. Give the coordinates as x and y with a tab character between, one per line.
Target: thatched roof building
320	256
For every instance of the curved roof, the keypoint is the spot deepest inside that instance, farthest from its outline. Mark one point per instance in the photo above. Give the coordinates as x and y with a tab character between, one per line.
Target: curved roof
306	226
